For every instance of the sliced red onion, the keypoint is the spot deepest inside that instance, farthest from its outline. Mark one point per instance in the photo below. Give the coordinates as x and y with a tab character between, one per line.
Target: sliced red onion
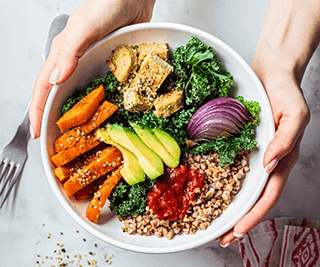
220	124
208	134
220	116
222	101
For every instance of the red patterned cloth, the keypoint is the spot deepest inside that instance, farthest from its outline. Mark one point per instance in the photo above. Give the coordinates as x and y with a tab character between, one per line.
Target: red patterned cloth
283	242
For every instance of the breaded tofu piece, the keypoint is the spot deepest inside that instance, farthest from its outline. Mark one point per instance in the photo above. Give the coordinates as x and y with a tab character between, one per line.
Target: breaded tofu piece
122	62
167	104
160	49
142	91
152	73
135	102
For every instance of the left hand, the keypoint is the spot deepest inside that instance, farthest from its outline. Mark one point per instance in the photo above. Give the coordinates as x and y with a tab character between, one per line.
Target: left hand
90	22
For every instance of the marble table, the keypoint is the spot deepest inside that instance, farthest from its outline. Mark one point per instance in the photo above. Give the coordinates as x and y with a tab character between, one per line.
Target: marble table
35	228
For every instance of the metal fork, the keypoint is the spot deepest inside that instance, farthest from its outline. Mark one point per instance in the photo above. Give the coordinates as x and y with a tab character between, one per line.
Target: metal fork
13	158
14	155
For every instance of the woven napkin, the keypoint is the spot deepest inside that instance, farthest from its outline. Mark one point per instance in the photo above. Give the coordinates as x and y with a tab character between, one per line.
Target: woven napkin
282	242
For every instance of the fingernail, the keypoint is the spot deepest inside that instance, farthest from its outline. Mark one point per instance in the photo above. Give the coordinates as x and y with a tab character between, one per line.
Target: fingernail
31	132
54	75
270	167
237	235
225	245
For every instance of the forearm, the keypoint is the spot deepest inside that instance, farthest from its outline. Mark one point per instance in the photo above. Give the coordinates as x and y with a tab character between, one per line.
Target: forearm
290	34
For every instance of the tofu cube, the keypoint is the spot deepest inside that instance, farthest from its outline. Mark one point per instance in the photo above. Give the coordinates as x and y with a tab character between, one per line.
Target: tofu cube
152	73
167	104
134	102
160	49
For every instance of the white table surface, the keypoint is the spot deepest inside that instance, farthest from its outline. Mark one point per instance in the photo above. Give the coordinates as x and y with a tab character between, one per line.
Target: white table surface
26	223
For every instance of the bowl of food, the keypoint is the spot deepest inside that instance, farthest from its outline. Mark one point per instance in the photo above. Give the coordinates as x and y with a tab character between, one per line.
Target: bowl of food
155	143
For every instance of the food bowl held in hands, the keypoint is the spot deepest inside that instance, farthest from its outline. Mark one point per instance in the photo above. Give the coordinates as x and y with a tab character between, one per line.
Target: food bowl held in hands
93	65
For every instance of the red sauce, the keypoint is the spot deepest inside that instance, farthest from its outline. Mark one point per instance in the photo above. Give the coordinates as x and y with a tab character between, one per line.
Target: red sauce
171	196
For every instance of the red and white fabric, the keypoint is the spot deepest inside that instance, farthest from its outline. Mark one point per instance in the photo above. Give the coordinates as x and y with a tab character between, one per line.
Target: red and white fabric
283	242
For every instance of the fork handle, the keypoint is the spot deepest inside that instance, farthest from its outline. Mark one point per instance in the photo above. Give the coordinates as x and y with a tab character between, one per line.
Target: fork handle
23	131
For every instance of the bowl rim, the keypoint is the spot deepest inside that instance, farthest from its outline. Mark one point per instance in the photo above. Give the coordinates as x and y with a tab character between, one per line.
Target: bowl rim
51	179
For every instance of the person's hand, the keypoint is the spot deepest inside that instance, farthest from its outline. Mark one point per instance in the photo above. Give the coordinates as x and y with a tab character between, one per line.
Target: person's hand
291	116
289	36
88	24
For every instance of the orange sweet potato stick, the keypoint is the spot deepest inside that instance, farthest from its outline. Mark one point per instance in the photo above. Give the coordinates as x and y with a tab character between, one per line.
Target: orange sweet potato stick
88	191
101	196
109	159
83	145
65	171
81	111
104	111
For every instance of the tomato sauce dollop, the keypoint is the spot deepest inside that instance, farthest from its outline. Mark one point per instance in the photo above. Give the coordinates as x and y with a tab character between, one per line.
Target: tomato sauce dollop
170	197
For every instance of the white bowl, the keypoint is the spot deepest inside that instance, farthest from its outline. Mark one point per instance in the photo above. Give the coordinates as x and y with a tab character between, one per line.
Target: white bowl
93	65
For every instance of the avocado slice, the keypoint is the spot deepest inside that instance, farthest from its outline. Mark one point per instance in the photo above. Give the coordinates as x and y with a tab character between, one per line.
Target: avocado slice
131	172
170	144
151	140
148	160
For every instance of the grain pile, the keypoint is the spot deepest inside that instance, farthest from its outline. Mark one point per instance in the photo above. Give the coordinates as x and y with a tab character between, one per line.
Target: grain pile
220	187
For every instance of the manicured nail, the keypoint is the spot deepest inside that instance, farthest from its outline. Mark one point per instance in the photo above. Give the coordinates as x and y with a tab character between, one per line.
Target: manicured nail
270	167
54	75
237	235
225	245
31	132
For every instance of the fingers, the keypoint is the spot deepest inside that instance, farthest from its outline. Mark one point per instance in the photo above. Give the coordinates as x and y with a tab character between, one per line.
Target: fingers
63	59
289	130
74	45
227	238
42	87
265	203
267	200
290	112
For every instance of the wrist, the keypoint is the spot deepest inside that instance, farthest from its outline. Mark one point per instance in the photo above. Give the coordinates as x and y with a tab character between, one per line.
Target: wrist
143	10
268	63
290	33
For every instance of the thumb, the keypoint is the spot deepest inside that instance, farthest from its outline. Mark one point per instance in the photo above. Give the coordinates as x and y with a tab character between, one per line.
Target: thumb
288	132
73	47
66	62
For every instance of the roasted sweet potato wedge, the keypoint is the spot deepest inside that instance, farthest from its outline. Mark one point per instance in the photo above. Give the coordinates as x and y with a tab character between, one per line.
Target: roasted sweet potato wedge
68	139
88	191
81	111
101	196
66	171
83	145
109	159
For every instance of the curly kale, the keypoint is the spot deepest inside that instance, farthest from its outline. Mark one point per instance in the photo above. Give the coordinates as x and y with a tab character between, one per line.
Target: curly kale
109	82
128	200
199	73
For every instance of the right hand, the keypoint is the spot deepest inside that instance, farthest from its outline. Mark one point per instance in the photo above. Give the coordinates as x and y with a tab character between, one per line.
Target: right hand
89	23
291	116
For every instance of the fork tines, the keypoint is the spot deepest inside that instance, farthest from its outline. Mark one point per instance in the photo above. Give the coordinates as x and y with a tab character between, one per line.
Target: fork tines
9	174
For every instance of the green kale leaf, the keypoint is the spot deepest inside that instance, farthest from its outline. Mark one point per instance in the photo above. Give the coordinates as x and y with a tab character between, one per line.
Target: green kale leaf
109	82
199	73
128	200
